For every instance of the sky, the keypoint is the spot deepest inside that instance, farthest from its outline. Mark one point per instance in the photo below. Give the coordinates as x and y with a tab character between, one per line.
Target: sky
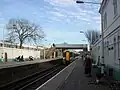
61	20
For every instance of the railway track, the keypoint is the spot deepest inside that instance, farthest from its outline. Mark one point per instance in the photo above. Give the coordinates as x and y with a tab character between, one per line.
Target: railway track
33	81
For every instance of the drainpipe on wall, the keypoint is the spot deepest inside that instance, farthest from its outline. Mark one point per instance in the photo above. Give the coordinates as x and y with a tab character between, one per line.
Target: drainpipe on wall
3	46
102	57
102	36
102	49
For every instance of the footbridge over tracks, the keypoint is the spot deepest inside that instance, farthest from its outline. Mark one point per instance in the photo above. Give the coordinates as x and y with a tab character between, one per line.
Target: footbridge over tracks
71	46
57	49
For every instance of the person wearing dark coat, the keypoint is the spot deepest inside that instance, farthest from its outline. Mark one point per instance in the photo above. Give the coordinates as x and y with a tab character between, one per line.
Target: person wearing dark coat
88	65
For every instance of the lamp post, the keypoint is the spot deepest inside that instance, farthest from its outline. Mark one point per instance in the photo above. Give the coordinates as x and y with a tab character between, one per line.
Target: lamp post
82	2
44	49
84	40
88	45
85	34
3	45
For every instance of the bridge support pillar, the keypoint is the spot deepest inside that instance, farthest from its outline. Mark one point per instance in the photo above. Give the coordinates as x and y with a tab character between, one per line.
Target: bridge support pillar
54	54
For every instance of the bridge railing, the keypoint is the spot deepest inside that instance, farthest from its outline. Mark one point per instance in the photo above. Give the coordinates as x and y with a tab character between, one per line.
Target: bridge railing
77	46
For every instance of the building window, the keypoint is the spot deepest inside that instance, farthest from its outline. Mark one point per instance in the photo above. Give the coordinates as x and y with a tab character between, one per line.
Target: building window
115	7
105	20
107	48
102	23
119	46
107	43
115	49
98	48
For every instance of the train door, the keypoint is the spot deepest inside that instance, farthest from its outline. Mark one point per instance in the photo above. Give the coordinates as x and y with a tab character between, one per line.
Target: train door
67	57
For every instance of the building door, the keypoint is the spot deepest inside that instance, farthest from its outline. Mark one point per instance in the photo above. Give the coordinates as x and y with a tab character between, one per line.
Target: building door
115	49
119	48
5	57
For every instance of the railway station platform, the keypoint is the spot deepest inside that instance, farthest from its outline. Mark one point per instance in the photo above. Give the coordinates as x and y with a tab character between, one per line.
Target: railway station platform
16	64
12	71
73	78
77	80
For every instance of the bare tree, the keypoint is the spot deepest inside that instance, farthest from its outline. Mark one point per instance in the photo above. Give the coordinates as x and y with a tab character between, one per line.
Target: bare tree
92	35
21	30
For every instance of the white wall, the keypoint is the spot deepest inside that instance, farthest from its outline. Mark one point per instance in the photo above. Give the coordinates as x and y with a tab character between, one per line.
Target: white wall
111	57
112	21
13	52
112	31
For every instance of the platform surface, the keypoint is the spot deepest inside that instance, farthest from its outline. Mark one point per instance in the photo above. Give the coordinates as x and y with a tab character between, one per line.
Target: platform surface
16	64
78	80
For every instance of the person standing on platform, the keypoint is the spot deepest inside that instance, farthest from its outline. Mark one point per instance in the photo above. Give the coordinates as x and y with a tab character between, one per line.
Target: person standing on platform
88	65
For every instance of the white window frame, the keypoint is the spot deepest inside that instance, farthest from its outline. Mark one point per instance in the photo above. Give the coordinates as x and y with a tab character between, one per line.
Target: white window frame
115	7
116	51
107	47
105	20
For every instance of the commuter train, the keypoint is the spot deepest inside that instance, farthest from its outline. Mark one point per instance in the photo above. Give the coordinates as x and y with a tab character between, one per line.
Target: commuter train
68	57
